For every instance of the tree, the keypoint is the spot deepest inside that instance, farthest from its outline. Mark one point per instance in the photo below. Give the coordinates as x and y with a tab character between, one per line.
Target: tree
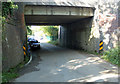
7	9
50	30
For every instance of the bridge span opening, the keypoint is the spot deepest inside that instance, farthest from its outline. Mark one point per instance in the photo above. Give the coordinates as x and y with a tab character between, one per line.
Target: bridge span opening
75	22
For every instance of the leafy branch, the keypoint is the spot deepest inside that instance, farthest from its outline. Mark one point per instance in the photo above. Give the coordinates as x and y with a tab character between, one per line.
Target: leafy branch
7	9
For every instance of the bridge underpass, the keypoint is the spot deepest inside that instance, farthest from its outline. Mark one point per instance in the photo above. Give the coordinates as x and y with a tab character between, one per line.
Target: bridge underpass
56	64
75	22
75	33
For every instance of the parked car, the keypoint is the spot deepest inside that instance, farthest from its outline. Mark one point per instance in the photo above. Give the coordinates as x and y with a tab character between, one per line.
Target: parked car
34	44
30	39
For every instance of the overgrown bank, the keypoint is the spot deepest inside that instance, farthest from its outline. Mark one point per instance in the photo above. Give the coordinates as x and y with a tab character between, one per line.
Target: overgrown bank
112	56
12	73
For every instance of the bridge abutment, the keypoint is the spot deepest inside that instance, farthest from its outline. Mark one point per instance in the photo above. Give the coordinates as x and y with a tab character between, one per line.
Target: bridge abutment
14	36
87	33
77	35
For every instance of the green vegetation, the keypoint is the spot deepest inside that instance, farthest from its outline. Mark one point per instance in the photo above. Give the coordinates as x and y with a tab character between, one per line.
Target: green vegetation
112	56
29	31
91	52
7	9
95	53
9	75
7	12
13	72
50	30
47	32
26	59
54	42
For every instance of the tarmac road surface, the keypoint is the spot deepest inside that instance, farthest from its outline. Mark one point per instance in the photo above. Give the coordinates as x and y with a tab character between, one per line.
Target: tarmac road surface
55	64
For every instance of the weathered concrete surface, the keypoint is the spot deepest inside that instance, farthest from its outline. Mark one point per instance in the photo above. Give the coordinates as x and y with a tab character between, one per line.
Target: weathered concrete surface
83	3
0	42
77	35
51	19
58	10
118	34
56	64
14	36
55	15
87	33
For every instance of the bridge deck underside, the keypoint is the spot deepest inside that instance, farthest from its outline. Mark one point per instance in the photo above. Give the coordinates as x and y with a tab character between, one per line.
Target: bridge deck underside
40	15
52	19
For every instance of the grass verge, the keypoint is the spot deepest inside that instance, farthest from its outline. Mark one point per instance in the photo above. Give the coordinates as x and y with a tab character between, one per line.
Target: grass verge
12	73
112	56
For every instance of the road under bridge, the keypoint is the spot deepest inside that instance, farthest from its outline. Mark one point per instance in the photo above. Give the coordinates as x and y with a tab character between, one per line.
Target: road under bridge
73	20
83	24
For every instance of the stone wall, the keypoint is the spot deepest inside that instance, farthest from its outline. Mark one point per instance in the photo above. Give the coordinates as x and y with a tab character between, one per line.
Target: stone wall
118	23
14	36
107	21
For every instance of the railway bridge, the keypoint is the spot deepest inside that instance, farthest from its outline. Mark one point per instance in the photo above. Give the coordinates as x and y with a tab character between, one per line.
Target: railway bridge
83	24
